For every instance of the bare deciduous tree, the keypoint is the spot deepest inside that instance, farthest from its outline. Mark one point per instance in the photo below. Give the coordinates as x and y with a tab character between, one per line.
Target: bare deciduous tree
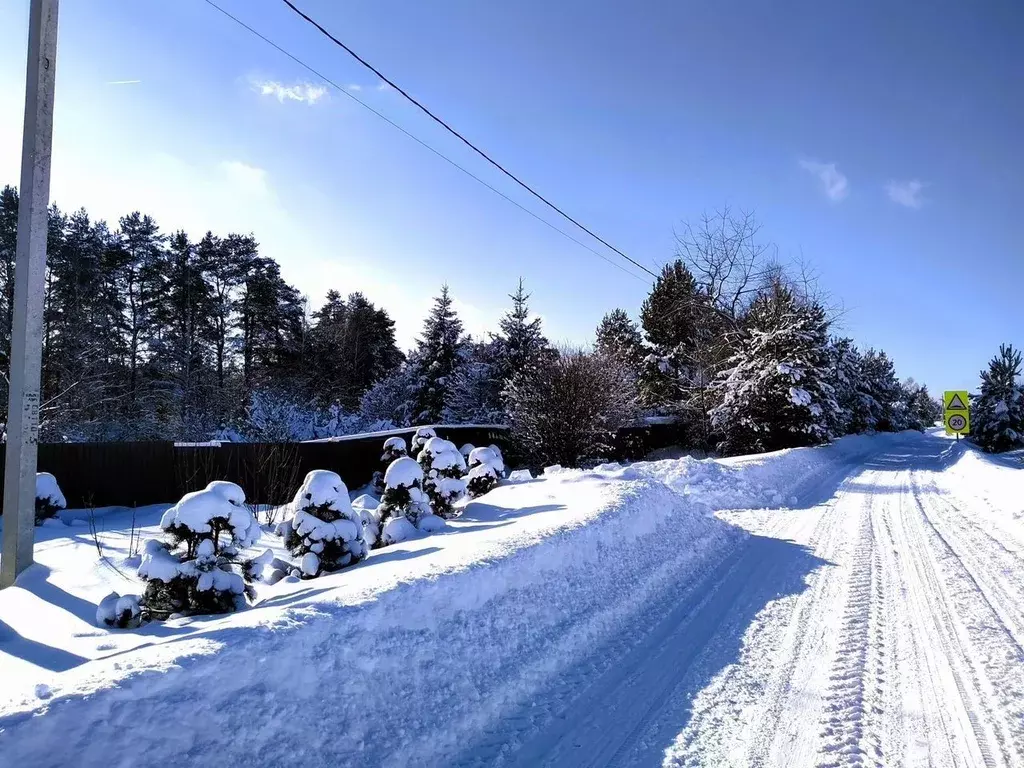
567	411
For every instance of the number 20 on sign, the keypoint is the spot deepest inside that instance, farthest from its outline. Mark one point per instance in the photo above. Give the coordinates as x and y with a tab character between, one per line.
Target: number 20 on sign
956	412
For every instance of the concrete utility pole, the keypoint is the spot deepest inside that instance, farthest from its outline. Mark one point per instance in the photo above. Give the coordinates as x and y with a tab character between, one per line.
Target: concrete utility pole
29	276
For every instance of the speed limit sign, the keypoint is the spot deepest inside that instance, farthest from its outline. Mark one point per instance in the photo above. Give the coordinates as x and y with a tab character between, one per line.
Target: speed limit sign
957	412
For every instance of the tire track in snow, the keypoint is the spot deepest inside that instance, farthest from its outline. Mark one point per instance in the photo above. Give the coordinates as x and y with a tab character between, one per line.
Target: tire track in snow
971	691
990	624
989	558
853	700
746	715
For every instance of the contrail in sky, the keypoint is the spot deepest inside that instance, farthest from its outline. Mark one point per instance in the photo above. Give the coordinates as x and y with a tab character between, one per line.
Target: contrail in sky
123	82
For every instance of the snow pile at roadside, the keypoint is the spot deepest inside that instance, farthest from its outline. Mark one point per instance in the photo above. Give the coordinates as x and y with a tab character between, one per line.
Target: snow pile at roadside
408	662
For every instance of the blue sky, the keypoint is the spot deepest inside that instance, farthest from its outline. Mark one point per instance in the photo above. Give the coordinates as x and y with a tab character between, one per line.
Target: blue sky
881	142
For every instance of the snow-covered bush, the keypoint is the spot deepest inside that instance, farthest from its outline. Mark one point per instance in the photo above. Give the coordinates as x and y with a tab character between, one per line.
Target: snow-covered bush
49	499
404	506
567	409
394	448
368	509
466	450
200	568
423	434
485	470
119	611
443	467
324	532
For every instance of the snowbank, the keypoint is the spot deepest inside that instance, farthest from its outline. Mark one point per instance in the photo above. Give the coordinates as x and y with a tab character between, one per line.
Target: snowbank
416	649
531	578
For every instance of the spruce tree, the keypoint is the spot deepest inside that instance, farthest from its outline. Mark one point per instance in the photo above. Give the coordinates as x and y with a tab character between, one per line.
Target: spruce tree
844	369
520	341
880	394
776	391
436	359
475	394
619	337
997	413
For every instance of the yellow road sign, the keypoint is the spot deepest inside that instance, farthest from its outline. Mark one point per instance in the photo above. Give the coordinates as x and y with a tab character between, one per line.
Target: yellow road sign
957	412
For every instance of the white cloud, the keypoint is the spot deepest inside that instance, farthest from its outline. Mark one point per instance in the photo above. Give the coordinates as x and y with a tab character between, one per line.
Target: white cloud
353	87
833	183
307	93
382	86
247	178
906	193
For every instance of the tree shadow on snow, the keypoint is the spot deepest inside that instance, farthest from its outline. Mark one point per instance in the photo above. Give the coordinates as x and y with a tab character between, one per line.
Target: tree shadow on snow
627	699
481	512
35	652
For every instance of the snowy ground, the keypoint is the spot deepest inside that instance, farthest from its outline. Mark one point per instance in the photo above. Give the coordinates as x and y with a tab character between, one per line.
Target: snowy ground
859	604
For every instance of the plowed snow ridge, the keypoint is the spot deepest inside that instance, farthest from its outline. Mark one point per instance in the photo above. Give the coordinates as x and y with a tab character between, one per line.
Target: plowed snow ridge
855	605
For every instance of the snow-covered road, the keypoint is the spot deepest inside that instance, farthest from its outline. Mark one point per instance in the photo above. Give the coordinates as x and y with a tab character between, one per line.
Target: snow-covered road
882	627
860	604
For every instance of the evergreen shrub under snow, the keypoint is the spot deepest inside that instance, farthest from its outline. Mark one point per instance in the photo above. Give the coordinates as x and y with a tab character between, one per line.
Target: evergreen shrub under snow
49	499
420	438
443	467
199	569
122	612
324	533
486	468
404	508
394	448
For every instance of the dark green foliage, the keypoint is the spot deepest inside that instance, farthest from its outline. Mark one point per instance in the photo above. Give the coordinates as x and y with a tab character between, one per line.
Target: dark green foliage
45	509
435	360
150	336
776	392
619	337
997	412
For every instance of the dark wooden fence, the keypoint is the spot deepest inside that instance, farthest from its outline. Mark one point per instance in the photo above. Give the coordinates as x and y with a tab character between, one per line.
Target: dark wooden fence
132	474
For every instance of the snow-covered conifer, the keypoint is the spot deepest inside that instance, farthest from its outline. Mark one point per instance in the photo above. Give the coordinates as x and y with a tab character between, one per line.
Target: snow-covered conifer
49	498
486	468
420	438
997	413
200	569
437	357
324	533
404	505
443	467
394	448
776	391
119	611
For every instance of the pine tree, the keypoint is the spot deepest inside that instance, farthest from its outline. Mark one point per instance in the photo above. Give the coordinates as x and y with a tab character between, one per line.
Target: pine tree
776	392
997	413
136	266
436	360
352	345
271	323
671	313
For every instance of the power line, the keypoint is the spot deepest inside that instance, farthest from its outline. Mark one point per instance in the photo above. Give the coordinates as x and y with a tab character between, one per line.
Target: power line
420	141
466	141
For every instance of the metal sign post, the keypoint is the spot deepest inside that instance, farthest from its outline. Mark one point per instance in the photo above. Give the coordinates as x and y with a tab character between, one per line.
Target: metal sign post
29	276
